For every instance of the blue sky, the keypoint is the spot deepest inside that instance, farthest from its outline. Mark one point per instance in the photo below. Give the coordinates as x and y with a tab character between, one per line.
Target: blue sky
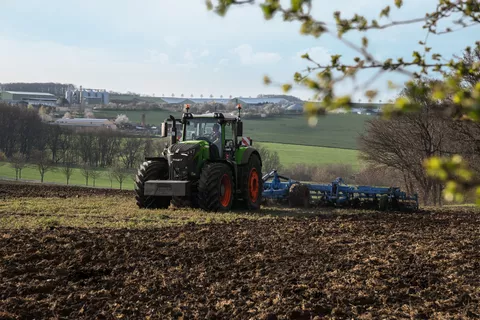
171	46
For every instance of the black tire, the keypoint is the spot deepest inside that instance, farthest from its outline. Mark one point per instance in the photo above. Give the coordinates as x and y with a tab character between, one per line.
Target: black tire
383	203
210	187
299	196
253	171
151	170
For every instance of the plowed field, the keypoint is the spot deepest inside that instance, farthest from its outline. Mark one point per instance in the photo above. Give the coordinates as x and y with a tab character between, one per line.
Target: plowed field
336	265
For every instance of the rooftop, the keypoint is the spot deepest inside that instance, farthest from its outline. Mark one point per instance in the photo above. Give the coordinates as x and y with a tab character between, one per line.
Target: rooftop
31	93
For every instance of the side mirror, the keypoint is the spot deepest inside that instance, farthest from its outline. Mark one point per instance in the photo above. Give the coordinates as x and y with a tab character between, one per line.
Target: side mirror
163	132
239	129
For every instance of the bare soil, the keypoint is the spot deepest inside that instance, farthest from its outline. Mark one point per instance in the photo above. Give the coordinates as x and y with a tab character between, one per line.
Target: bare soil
385	265
32	190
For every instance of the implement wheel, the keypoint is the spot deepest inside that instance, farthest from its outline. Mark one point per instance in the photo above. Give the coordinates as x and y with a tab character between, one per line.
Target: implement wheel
299	196
216	188
151	170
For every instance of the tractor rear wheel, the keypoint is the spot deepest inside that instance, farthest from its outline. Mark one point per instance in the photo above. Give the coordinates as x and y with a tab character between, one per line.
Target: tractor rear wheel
299	196
151	170
253	184
216	188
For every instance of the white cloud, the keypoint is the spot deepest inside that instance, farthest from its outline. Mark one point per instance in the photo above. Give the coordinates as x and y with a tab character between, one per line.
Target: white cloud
223	62
205	53
248	57
157	57
188	55
317	54
172	41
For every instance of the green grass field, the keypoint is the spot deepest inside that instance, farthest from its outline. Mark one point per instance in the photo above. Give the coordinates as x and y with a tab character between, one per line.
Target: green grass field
31	173
292	154
335	131
289	155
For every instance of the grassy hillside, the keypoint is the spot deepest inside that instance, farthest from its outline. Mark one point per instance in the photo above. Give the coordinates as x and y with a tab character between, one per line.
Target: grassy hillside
336	131
292	154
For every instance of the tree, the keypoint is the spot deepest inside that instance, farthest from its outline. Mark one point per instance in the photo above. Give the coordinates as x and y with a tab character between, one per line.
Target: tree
43	163
120	173
131	152
68	167
121	120
86	172
95	174
18	162
447	17
270	159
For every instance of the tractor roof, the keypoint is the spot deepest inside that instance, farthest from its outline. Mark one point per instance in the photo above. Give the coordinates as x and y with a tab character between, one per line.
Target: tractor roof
216	115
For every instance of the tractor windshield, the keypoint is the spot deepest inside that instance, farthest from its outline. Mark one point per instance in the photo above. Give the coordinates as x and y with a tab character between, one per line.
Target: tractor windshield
203	129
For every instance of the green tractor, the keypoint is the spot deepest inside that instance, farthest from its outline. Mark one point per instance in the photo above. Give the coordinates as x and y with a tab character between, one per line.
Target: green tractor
205	166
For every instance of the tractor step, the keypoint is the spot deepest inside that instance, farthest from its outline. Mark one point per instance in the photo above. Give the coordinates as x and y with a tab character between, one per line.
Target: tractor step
167	188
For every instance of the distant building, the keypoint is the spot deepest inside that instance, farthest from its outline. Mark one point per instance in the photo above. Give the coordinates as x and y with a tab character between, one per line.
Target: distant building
33	98
87	96
87	123
295	108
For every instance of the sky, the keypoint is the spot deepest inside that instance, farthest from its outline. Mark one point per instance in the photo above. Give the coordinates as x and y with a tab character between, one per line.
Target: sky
177	46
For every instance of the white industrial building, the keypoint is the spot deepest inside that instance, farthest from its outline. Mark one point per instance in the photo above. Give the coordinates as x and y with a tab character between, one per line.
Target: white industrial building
87	96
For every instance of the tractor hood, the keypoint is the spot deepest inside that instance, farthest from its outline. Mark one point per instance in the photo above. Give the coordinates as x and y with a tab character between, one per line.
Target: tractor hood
185	158
187	147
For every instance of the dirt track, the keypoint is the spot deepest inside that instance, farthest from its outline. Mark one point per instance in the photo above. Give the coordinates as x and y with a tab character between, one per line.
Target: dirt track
360	266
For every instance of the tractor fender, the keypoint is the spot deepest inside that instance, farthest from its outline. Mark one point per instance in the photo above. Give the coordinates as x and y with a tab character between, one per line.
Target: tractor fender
246	155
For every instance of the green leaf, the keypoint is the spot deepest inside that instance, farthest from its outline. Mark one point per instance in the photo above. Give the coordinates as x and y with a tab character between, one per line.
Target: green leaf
398	3
286	87
371	94
268	11
209	5
296	5
364	42
385	12
305	56
267	80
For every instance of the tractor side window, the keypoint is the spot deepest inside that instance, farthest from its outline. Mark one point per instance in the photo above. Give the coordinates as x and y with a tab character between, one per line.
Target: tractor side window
228	131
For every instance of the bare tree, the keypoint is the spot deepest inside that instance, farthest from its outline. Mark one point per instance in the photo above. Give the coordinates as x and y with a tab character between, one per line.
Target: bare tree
68	167
41	160
18	162
95	174
403	143
120	174
86	171
131	152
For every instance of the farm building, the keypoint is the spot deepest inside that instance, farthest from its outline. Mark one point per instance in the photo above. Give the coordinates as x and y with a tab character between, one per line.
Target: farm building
295	108
87	96
87	123
33	98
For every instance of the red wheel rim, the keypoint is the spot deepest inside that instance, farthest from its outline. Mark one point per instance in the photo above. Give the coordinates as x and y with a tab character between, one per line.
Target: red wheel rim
253	185
225	190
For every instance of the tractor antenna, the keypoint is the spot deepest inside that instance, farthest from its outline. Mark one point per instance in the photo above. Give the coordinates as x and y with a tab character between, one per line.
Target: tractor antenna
239	107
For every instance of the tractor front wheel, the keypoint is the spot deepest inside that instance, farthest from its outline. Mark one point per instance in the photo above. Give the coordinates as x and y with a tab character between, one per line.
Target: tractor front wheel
151	170
253	184
216	188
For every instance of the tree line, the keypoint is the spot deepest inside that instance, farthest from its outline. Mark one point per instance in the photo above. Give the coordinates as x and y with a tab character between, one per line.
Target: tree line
25	139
